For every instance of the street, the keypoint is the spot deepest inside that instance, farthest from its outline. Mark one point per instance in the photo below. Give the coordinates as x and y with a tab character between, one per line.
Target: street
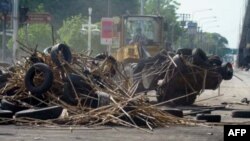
231	93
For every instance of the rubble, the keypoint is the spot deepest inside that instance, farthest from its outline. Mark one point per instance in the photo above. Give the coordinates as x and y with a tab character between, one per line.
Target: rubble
90	91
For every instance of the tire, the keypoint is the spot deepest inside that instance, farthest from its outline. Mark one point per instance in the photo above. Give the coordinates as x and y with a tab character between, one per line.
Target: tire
83	89
103	98
66	54
6	114
174	112
227	71
180	64
11	92
4	78
189	100
43	113
34	102
7	105
215	60
208	117
79	83
184	51
47	50
199	57
163	94
2	85
68	97
241	113
45	85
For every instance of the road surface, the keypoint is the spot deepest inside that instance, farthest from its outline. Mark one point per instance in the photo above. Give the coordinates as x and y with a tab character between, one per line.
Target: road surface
231	93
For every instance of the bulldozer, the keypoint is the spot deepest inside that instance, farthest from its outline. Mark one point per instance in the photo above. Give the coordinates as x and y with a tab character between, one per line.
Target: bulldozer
140	37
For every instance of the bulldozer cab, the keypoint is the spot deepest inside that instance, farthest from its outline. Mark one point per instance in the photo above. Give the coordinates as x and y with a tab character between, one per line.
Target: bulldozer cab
141	37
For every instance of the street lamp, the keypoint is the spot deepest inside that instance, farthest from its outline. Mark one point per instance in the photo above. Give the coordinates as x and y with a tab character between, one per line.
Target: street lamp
90	28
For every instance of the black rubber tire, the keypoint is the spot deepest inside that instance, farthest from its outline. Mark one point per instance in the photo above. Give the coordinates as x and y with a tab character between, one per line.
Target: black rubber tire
175	112
199	57
2	85
34	102
184	51
67	96
227	71
180	64
66	54
208	117
11	92
241	113
7	105
79	83
82	89
45	85
189	100
42	113
6	114
215	60
4	78
47	50
164	95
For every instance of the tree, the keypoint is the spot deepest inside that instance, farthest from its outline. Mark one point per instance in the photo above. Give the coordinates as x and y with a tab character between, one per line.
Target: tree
38	35
167	9
71	34
63	9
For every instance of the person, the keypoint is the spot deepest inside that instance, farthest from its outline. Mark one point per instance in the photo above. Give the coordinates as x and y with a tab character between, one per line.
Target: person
139	37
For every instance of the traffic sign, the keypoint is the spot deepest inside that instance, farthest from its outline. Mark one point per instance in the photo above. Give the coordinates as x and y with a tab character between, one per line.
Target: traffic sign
107	31
39	18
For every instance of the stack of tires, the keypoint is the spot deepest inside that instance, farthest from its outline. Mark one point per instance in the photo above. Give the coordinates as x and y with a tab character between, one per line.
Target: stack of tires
217	71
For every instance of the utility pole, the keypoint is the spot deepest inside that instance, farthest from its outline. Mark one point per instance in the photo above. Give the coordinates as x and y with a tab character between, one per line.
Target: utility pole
5	9
89	30
142	7
184	19
15	28
4	18
158	7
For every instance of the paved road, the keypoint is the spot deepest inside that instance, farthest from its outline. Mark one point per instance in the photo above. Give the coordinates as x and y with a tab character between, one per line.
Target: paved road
13	133
231	92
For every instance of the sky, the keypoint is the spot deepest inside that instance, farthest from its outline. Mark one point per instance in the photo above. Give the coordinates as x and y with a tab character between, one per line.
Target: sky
229	16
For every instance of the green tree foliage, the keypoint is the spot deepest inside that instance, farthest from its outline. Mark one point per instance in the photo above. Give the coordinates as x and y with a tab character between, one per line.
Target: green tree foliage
167	9
63	9
71	34
37	34
211	43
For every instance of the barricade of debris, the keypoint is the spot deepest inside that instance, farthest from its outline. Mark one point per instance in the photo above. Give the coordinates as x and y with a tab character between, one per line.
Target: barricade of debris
60	87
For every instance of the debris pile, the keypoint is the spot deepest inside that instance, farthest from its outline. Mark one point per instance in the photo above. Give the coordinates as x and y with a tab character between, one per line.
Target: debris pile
60	87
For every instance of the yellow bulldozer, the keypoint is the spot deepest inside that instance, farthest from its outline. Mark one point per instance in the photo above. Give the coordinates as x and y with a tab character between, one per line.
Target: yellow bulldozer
139	37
